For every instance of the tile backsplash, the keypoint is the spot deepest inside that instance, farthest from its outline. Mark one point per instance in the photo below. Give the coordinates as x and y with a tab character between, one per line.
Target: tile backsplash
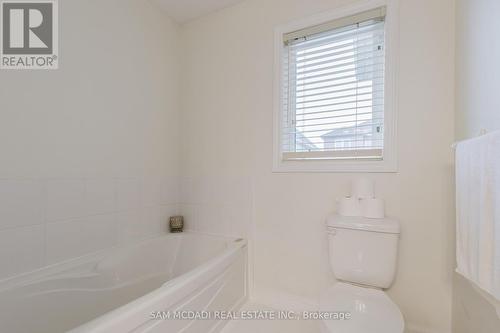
217	204
45	221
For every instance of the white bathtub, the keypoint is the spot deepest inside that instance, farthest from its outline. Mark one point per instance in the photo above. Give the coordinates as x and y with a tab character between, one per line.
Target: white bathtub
122	289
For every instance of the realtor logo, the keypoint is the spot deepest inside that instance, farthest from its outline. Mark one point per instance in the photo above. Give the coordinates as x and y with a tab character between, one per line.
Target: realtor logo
29	34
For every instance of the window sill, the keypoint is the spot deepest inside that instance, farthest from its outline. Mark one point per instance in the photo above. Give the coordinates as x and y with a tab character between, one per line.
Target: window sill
333	166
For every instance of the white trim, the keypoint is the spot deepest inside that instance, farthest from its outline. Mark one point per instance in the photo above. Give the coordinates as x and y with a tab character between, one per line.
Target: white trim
334	155
389	162
330	25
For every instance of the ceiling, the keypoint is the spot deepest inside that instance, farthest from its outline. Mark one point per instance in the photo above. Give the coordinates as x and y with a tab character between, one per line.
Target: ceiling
186	10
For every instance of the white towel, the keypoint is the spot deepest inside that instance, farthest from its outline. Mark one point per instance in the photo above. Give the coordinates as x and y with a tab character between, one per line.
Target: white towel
478	211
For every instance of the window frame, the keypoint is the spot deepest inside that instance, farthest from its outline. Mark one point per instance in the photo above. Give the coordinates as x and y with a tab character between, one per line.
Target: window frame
388	163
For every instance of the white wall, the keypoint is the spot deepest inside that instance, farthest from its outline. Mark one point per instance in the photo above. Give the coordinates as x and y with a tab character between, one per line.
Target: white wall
226	126
478	108
88	153
478	52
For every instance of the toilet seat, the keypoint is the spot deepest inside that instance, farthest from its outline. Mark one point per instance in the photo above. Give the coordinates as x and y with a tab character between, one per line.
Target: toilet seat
372	311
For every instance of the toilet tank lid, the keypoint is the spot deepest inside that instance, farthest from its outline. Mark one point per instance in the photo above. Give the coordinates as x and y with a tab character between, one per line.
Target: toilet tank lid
385	225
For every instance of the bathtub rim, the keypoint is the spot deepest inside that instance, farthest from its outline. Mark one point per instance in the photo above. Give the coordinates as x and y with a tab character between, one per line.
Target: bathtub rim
88	260
133	312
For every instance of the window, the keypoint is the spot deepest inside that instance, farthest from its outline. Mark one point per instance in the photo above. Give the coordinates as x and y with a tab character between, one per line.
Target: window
333	93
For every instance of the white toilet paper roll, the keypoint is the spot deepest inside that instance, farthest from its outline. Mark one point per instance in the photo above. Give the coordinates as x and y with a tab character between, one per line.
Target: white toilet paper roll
373	208
363	188
349	206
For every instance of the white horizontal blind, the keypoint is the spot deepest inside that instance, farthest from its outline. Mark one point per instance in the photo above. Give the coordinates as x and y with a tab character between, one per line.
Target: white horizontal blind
333	90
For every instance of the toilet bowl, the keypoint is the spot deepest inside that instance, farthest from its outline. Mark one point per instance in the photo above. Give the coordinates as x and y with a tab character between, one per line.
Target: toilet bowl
363	256
370	310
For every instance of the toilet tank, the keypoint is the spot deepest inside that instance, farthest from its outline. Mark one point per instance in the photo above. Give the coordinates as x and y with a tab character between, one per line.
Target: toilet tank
362	250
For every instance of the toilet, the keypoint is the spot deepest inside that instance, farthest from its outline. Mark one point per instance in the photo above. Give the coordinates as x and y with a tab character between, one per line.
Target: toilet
363	257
